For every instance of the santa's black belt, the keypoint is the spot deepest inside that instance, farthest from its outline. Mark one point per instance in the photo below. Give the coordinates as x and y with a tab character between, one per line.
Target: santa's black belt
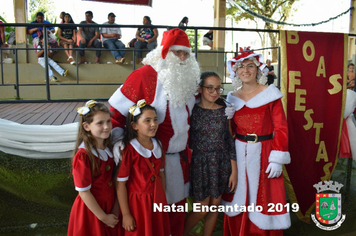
182	154
253	138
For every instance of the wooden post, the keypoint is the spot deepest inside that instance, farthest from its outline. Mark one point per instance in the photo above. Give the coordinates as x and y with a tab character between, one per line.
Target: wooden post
20	13
219	21
352	48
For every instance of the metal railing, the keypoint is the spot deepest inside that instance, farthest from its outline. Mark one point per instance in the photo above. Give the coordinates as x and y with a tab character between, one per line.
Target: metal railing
47	83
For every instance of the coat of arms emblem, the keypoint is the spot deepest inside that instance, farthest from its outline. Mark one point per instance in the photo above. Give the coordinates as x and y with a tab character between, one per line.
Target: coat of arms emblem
328	206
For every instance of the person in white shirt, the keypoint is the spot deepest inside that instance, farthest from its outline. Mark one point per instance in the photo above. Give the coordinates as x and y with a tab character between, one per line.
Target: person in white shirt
110	37
41	60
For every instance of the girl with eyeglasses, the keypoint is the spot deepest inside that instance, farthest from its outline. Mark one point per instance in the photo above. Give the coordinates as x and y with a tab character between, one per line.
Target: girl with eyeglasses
213	168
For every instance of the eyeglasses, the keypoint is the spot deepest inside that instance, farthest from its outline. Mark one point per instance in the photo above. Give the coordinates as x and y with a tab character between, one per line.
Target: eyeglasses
249	66
212	89
179	53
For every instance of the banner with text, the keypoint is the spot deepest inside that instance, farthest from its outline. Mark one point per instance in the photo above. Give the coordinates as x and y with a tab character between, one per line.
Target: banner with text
131	2
314	87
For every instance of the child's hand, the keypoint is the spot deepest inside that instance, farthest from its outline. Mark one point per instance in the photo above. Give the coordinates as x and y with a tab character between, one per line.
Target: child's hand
110	220
233	182
128	222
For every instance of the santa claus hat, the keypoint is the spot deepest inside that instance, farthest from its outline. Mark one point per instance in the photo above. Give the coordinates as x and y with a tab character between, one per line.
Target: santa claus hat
245	53
174	39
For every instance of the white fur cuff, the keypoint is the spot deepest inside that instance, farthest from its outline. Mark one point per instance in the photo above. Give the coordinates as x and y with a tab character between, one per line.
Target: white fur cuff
270	222
120	102
280	157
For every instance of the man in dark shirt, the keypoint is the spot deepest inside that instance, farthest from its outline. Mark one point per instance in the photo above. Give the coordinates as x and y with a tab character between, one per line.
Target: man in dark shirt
89	37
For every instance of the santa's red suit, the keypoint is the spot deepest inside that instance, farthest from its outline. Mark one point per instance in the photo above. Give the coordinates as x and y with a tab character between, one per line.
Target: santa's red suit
261	115
172	132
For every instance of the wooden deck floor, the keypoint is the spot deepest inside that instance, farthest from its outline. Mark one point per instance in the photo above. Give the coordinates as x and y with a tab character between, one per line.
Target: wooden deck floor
48	113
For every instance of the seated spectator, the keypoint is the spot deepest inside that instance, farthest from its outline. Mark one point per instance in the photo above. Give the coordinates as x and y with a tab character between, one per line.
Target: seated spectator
68	36
42	62
61	16
146	38
270	75
350	76
110	37
37	31
208	39
3	42
183	23
89	37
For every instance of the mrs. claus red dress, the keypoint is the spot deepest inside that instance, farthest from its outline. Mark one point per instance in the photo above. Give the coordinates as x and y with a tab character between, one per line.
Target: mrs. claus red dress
82	221
144	188
261	115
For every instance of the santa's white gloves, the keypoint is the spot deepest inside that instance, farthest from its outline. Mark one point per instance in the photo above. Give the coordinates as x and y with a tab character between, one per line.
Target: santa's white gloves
117	151
274	170
116	135
230	111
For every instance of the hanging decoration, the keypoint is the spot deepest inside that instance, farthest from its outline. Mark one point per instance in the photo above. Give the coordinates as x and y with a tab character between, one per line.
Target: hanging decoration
129	2
266	19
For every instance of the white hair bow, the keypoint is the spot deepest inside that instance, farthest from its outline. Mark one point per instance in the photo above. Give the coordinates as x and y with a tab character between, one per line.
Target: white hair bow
86	109
136	109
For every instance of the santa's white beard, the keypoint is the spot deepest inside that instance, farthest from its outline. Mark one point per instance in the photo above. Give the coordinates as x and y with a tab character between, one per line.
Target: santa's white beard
179	78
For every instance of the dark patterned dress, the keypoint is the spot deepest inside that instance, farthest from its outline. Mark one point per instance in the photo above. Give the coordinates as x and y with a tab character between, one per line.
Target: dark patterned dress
213	148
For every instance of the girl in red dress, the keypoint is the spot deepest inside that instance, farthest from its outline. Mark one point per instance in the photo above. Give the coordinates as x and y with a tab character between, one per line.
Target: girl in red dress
93	166
141	180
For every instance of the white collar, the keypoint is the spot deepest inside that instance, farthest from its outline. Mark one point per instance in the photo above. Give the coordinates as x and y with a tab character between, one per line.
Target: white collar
157	152
270	94
103	154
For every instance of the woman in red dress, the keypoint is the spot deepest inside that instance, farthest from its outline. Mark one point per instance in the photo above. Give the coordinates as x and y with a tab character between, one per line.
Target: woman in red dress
141	180
93	166
261	141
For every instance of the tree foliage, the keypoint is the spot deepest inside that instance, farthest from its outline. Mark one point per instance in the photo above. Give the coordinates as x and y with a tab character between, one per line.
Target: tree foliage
279	10
8	29
191	37
44	6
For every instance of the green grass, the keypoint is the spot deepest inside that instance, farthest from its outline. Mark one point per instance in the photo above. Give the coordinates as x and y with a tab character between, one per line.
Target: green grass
34	191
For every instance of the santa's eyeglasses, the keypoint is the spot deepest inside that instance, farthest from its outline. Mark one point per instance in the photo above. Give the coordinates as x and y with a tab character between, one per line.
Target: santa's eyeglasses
180	53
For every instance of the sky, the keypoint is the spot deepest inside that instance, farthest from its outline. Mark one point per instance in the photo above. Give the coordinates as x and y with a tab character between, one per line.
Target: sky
200	13
319	10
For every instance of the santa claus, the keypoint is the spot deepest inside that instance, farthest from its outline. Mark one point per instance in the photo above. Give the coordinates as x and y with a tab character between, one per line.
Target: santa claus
167	81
